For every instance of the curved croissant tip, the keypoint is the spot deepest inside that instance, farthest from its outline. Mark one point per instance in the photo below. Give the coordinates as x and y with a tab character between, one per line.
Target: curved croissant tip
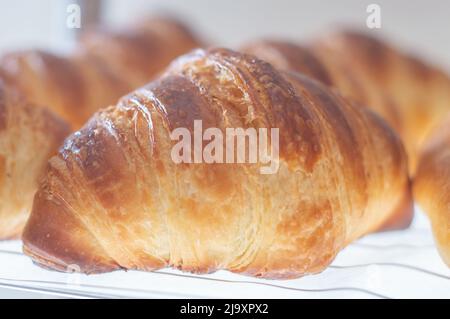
56	239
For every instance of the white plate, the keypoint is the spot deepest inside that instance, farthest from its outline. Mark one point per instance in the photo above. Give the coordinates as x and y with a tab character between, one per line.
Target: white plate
400	264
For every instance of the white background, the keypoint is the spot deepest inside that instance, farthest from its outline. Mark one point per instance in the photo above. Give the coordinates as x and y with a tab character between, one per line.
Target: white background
420	25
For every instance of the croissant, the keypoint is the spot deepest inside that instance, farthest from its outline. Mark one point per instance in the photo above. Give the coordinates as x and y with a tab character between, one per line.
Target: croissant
409	94
99	72
116	198
432	186
141	51
72	87
29	136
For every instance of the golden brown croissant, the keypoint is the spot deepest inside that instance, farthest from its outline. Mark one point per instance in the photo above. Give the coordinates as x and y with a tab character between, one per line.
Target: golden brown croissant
432	186
115	198
410	95
107	67
29	136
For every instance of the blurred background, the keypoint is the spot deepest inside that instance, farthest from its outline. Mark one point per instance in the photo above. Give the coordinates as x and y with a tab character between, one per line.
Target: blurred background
421	26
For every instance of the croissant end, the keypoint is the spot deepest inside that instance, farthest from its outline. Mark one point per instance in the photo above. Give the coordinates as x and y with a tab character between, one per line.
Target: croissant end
61	242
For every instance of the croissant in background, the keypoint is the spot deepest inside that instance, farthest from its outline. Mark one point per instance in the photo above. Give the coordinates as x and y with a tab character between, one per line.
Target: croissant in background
140	52
114	199
105	66
410	95
74	88
29	136
432	186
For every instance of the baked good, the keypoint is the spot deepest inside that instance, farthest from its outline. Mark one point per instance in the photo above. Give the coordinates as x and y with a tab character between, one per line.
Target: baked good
409	94
115	197
72	87
29	136
106	65
432	186
141	51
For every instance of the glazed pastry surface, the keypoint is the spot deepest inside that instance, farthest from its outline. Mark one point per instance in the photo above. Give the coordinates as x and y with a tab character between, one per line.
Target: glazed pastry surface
115	199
